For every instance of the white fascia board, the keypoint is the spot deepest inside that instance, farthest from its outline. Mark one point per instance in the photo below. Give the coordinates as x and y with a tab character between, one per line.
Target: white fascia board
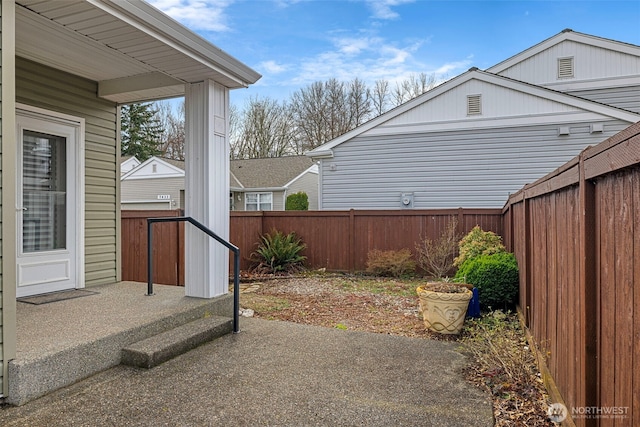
262	189
601	83
178	172
310	169
158	25
325	151
560	97
490	123
319	154
137	83
235	178
558	38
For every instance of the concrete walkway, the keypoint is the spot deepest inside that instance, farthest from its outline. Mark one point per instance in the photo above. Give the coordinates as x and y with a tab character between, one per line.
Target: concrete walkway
276	374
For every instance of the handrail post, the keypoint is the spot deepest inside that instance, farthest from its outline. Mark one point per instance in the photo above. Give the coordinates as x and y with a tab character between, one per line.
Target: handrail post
236	291
228	245
149	258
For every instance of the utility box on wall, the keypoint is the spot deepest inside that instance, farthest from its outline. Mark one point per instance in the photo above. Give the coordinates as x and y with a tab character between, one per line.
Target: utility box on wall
406	200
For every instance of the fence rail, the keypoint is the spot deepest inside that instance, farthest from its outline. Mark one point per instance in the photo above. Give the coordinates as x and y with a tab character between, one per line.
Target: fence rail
336	240
576	235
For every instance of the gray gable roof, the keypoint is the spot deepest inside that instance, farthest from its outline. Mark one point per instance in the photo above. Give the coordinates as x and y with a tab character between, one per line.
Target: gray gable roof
269	172
272	172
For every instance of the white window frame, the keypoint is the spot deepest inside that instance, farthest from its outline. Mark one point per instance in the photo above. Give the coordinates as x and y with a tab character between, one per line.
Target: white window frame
259	201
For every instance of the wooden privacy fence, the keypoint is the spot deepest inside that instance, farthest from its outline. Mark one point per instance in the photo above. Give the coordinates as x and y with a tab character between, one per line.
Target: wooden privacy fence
336	240
576	235
168	251
341	240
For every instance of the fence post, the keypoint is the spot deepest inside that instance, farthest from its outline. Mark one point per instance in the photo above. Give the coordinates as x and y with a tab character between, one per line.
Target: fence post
588	293
461	229
528	250
352	241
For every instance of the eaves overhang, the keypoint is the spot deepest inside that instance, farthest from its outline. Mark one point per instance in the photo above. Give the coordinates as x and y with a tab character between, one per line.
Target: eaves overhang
134	51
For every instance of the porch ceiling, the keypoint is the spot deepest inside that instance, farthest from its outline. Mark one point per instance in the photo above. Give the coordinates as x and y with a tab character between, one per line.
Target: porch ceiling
134	51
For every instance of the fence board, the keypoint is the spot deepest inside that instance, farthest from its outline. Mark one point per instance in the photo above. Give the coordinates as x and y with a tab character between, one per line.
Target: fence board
581	295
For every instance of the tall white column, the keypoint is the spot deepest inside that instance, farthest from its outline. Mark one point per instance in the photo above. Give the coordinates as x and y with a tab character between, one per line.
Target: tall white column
206	188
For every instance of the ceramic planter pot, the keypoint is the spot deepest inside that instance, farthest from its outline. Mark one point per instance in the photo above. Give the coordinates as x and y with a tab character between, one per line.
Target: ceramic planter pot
444	312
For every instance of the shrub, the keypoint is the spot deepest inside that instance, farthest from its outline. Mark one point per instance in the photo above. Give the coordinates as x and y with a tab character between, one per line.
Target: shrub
297	202
279	252
390	263
436	257
478	242
495	276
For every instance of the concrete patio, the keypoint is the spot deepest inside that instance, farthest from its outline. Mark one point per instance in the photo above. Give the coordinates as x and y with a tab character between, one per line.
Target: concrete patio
277	374
61	342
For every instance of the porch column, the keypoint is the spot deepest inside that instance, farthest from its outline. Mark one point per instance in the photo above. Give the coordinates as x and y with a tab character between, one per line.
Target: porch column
206	188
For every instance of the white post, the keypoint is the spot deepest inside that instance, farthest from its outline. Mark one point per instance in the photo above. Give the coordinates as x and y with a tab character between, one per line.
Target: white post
206	188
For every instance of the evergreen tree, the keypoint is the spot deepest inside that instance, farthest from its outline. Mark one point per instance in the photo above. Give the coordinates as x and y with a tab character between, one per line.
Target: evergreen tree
141	131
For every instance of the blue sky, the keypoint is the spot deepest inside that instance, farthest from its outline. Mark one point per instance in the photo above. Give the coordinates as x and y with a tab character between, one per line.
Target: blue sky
293	43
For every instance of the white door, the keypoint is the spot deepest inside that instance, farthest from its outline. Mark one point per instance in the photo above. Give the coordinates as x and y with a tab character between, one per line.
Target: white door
48	210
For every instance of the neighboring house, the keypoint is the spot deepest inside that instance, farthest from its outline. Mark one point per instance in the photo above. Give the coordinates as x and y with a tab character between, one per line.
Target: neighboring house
255	184
128	163
66	68
155	184
478	137
264	184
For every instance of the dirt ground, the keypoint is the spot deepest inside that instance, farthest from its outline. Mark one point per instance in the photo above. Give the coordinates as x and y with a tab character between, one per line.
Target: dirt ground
390	306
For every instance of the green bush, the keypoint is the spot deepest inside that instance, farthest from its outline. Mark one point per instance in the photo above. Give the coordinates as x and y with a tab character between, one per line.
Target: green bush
478	242
297	202
495	276
390	263
279	252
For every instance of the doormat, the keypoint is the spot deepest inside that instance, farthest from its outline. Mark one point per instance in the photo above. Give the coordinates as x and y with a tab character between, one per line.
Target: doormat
56	296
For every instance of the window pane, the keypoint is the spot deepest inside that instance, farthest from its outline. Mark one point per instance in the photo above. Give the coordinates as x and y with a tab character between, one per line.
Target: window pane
44	192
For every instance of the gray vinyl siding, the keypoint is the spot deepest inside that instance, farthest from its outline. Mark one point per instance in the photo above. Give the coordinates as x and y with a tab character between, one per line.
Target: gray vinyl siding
48	88
148	190
470	169
621	97
307	183
278	200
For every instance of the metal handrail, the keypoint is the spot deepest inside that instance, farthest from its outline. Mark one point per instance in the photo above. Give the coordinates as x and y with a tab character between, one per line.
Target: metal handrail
231	247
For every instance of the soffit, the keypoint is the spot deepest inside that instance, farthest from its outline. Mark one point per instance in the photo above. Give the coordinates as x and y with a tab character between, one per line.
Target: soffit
133	50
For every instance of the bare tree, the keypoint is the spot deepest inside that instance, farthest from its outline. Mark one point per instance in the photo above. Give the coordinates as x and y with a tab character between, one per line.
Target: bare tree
326	110
265	129
173	134
380	97
412	87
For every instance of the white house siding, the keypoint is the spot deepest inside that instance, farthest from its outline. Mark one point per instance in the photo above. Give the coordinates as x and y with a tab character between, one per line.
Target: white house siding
621	97
52	89
496	101
307	183
590	62
148	190
471	168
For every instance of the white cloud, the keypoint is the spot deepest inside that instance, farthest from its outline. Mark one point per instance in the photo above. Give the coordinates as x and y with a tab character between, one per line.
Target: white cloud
204	15
382	8
453	66
272	67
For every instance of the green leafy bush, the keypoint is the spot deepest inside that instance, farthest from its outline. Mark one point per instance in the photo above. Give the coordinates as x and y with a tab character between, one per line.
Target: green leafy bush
279	252
478	242
297	202
391	263
495	276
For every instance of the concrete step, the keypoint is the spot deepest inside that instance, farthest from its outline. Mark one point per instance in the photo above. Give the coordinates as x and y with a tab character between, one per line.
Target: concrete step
158	349
118	317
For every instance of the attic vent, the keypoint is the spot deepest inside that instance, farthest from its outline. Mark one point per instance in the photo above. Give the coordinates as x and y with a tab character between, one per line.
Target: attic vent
565	68
474	105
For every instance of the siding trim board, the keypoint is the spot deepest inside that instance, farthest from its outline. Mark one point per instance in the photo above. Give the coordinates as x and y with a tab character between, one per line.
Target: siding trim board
530	89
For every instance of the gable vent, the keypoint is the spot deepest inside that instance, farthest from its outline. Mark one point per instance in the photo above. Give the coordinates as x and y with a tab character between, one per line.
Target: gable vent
474	105
565	68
